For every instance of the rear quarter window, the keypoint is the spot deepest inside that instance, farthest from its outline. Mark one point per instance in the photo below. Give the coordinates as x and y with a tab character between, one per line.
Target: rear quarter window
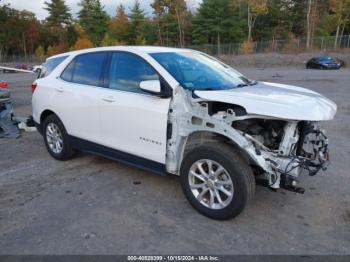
50	65
67	74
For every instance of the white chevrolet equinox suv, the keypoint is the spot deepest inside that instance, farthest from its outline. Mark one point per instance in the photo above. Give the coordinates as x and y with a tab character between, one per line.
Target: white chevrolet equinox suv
182	112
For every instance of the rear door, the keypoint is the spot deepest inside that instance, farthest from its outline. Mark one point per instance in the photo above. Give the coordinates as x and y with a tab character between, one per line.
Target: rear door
78	91
133	121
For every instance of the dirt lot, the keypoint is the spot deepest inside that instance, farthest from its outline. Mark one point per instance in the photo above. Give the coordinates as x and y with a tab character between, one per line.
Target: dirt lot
269	60
91	205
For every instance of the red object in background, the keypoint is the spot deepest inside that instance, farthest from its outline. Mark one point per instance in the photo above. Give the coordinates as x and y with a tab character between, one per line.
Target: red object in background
3	84
34	85
22	66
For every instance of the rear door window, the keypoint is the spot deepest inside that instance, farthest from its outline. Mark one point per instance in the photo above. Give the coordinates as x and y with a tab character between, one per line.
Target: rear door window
87	69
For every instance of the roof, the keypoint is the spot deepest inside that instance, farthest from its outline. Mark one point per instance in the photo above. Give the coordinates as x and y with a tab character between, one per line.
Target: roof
143	49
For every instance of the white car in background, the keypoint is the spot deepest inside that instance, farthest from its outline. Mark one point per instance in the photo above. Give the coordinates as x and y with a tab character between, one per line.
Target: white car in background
182	112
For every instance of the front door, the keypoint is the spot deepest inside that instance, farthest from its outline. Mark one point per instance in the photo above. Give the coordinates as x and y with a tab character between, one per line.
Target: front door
133	121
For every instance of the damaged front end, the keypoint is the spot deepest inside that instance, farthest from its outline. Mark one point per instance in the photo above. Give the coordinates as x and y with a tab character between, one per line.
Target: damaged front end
278	150
291	148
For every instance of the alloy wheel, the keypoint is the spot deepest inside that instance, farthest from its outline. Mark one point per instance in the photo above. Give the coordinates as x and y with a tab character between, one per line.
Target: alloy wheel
54	138
211	184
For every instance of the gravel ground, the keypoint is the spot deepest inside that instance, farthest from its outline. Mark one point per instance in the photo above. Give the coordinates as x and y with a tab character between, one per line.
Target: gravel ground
91	205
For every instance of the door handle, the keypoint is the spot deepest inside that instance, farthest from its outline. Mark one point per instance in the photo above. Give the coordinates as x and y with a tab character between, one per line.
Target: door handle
109	99
59	89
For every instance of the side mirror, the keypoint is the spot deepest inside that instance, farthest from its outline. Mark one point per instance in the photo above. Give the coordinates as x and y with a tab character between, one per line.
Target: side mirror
151	86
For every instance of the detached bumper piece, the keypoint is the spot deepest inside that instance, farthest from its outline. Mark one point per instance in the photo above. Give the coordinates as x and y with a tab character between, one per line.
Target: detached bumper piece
8	128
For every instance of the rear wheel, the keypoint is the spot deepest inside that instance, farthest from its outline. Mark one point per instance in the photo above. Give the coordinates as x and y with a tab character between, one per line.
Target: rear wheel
217	181
56	138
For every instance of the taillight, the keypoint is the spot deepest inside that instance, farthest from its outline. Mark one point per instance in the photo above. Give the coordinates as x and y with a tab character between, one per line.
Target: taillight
34	85
3	84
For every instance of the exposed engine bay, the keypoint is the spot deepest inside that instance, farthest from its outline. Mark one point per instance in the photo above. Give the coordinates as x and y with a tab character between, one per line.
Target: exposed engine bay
294	147
278	150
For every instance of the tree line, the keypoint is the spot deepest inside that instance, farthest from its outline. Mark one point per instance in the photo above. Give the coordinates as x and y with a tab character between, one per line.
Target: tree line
172	23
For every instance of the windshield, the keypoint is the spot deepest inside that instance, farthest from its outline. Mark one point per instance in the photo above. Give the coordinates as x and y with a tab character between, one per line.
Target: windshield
325	59
197	71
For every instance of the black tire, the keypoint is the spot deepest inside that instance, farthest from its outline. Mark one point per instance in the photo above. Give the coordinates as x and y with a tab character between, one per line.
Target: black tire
238	169
67	151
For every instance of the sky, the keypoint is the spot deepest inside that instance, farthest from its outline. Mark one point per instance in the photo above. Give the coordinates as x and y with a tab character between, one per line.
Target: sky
36	6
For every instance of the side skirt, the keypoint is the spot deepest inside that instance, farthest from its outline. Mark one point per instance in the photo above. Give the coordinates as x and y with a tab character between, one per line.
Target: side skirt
119	156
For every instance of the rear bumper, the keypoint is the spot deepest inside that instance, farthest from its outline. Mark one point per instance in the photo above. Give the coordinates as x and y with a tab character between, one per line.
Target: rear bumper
333	67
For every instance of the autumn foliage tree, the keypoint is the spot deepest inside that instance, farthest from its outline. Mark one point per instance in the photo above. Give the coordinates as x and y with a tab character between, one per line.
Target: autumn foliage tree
40	53
170	17
340	12
82	43
210	26
255	8
19	31
119	26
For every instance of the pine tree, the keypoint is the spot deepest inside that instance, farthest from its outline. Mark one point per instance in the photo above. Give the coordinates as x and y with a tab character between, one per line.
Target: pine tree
137	18
58	21
71	35
214	23
59	15
93	19
279	19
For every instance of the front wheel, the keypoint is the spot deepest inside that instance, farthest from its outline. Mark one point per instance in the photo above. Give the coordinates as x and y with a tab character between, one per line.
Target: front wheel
216	180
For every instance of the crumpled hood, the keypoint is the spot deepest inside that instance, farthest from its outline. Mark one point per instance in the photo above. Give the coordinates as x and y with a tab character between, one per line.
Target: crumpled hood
276	100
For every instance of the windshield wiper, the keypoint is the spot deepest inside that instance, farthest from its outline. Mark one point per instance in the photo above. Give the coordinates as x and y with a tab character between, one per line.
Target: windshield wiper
250	83
241	85
203	89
